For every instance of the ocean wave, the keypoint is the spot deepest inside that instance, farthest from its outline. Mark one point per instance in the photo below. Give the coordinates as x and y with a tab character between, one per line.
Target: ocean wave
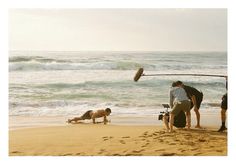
15	59
59	65
101	65
64	108
90	62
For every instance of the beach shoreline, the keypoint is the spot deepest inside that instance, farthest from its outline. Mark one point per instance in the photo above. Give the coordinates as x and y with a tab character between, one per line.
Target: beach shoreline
116	140
21	122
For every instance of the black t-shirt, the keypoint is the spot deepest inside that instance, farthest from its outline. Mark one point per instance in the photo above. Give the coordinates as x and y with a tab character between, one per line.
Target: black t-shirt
191	91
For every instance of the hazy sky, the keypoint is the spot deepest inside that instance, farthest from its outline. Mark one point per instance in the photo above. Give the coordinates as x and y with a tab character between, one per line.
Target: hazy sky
118	29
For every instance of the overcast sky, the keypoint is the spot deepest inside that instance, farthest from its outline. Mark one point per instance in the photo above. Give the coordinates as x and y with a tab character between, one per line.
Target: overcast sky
118	29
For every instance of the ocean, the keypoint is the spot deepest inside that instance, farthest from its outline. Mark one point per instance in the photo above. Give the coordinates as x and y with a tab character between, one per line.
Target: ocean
68	83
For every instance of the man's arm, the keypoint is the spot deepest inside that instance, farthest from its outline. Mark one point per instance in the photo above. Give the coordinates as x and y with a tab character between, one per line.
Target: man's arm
105	119
94	121
93	118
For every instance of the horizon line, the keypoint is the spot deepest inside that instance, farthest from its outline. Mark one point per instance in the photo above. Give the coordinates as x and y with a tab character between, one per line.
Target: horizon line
126	50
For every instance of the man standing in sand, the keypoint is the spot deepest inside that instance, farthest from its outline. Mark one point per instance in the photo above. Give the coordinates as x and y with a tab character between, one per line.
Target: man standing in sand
224	108
179	102
196	99
90	114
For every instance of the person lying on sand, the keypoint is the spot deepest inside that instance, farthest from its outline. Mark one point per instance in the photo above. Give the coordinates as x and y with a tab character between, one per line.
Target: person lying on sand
90	114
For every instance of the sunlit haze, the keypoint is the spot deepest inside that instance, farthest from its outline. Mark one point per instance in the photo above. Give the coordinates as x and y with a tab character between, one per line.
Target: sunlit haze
118	29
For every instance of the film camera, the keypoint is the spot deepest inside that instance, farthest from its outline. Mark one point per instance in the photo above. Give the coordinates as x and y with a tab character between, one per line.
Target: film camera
164	113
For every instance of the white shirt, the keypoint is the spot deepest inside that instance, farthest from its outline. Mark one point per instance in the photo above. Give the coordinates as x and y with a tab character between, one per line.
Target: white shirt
177	94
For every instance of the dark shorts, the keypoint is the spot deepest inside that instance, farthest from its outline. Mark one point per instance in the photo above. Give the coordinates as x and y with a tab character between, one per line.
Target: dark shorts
224	102
199	98
86	115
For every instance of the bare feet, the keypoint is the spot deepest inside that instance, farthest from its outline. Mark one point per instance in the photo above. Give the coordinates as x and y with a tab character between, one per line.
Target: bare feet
222	128
198	126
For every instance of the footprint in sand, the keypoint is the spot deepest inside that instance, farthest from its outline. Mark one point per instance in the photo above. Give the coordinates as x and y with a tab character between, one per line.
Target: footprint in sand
130	154
159	150
187	135
194	149
160	140
137	151
145	144
107	138
14	152
116	154
145	133
122	141
68	154
168	154
102	151
168	135
201	140
162	132
192	143
197	154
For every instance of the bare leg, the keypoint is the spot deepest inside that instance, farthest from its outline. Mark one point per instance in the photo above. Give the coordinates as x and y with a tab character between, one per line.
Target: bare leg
172	116
223	115
198	118
94	120
165	120
188	119
74	119
223	119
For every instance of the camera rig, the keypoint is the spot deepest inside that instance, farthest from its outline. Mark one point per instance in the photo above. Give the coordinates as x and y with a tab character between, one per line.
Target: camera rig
164	113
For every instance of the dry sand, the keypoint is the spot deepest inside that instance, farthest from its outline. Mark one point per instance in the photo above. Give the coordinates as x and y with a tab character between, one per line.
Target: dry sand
115	140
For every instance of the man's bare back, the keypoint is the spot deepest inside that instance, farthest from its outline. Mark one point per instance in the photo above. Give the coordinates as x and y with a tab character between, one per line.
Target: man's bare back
93	115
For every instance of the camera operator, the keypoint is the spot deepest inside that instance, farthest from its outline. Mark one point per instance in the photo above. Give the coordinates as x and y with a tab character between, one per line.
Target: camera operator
178	102
179	120
195	97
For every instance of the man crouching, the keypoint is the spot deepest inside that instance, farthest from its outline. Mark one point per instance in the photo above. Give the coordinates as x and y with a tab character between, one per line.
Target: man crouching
90	114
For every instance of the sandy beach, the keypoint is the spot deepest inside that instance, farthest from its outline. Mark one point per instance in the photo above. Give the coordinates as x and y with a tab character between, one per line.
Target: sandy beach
115	140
